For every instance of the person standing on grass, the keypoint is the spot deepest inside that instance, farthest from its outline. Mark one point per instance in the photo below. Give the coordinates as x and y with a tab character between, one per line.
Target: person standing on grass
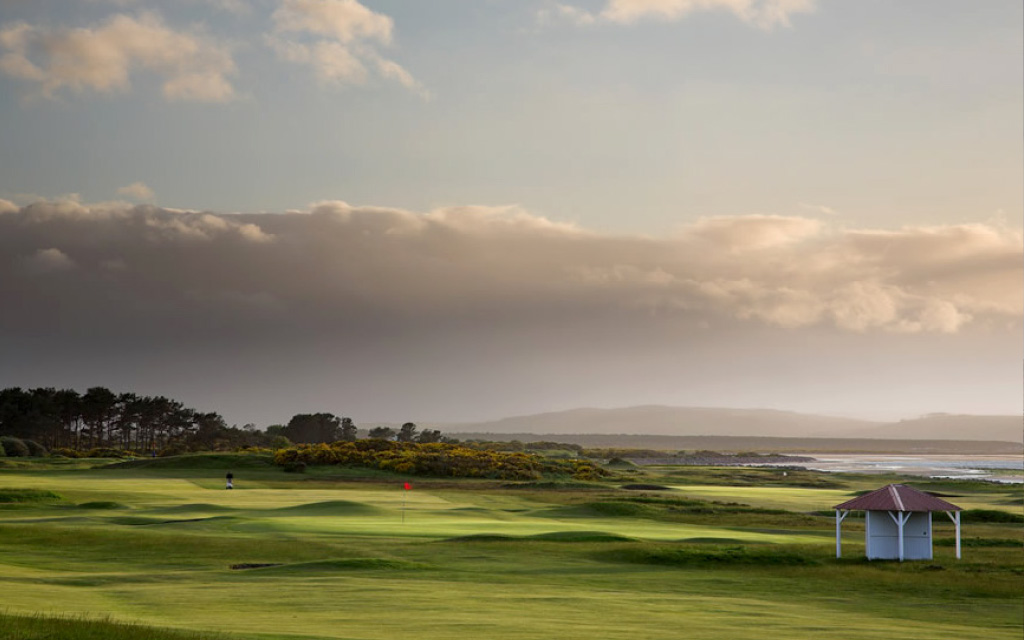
231	478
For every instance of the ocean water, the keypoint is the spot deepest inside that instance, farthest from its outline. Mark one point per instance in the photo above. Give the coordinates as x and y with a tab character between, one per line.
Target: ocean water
994	468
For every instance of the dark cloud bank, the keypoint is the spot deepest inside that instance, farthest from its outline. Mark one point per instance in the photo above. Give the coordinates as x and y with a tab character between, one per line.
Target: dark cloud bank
477	312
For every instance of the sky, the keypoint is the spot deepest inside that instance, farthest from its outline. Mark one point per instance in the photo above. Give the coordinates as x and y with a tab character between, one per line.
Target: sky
462	210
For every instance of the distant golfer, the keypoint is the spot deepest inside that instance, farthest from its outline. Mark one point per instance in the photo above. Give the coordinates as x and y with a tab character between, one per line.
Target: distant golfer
231	478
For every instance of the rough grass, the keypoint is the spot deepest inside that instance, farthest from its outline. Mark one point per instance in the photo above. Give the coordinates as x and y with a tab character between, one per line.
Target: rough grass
980	542
39	627
690	556
990	515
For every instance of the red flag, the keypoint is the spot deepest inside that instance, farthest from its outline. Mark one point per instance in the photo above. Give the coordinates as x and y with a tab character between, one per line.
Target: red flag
408	486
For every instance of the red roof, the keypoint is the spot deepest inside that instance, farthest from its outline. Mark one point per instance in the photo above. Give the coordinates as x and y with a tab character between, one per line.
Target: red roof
897	497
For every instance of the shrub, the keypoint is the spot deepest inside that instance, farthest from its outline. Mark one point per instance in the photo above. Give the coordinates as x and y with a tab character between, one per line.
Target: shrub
171	449
435	459
14	447
36	450
280	442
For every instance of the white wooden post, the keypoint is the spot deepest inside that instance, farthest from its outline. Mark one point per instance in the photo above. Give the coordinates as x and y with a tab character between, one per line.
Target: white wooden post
956	521
900	520
955	517
867	534
839	528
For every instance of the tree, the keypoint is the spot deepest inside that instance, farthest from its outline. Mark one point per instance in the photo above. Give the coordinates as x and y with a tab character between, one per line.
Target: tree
407	433
313	427
348	430
384	433
429	435
30	414
98	407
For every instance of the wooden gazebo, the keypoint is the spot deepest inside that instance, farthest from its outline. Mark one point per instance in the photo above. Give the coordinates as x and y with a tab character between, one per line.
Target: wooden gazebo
897	522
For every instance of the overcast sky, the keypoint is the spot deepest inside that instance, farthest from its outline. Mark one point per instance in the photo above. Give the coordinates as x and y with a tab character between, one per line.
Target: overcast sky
467	209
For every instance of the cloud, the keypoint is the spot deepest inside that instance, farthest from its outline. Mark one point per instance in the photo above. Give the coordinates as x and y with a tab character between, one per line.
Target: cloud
819	208
231	6
137	191
342	265
103	58
48	261
339	40
763	14
740	233
562	13
346	21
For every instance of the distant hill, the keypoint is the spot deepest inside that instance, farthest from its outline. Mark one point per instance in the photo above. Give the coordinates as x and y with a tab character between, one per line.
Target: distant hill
672	421
710	421
944	426
765	444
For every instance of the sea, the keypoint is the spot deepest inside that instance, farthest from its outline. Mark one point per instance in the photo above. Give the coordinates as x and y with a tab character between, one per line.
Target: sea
1007	469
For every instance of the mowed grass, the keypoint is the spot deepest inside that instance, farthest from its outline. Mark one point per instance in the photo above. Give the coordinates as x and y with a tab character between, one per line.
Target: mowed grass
321	556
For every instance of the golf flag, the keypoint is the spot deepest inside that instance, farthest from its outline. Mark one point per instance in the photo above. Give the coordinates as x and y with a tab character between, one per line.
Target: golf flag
408	486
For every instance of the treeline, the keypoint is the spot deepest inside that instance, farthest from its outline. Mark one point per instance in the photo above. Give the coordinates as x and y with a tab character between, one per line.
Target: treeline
326	427
102	419
102	422
434	459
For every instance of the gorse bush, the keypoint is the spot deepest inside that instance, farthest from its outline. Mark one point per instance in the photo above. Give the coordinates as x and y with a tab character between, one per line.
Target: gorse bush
98	452
35	449
434	459
14	447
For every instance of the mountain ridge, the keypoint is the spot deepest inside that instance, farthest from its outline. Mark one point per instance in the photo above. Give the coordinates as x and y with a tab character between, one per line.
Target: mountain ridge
722	421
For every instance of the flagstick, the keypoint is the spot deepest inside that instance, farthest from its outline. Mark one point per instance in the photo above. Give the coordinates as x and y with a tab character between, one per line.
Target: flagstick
403	507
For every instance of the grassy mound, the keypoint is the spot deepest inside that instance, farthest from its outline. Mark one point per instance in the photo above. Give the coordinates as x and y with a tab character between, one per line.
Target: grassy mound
991	515
222	461
554	485
581	536
620	463
712	556
143	521
645	487
103	504
339	565
197	507
621	509
483	537
15	627
326	508
554	536
25	496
